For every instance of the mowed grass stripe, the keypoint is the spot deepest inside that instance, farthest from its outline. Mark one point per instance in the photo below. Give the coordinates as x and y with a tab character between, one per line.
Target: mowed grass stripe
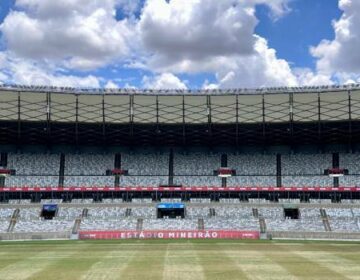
31	265
111	266
182	262
74	265
217	264
257	265
347	268
304	268
146	263
9	256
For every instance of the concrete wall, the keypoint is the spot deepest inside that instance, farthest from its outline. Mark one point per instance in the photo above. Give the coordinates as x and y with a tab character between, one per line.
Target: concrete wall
34	236
314	235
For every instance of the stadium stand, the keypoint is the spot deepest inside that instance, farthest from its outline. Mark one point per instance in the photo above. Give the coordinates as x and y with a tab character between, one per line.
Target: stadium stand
262	169
107	160
240	224
93	166
196	169
127	224
190	169
307	169
43	226
240	217
170	224
33	169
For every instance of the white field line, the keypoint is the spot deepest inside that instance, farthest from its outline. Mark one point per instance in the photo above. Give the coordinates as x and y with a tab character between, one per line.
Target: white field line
257	265
348	268
33	264
182	264
110	266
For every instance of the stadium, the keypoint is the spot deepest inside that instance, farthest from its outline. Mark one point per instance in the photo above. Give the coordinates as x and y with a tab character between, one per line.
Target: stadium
201	169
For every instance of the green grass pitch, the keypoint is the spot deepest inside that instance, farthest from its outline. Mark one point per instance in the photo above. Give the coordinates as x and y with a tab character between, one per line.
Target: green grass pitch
179	259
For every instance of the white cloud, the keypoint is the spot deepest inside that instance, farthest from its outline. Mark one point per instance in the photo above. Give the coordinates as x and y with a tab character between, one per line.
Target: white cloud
341	55
307	77
163	81
111	84
26	72
212	36
46	38
83	33
208	85
260	69
196	29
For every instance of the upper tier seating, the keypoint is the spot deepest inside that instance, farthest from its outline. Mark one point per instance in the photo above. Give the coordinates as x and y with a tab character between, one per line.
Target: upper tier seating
200	164
253	164
153	168
251	181
350	162
189	181
190	169
143	181
34	164
305	164
32	181
196	164
307	181
25	165
145	163
88	164
294	167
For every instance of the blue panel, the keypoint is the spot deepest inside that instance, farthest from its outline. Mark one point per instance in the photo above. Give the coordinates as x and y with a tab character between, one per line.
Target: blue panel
171	205
50	207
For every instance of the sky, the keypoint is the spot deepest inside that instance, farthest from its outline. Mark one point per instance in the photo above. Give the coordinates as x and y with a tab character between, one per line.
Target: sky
179	44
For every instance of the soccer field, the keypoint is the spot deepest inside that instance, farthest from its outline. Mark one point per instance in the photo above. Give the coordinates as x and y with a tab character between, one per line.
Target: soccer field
181	259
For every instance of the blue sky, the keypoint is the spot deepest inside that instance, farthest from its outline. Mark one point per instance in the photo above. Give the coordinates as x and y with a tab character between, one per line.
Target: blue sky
275	41
306	25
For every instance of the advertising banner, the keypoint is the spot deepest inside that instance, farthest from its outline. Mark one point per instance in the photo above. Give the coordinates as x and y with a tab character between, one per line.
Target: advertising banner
170	234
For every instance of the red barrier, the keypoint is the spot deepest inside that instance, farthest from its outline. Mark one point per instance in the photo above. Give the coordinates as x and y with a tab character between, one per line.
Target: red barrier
170	234
179	189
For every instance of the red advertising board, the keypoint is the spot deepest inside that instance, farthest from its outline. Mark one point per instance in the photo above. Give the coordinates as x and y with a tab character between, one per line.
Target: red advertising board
170	234
179	189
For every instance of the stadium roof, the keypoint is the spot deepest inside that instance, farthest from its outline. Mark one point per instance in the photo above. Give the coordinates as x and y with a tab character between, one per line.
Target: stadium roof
271	105
262	90
129	116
